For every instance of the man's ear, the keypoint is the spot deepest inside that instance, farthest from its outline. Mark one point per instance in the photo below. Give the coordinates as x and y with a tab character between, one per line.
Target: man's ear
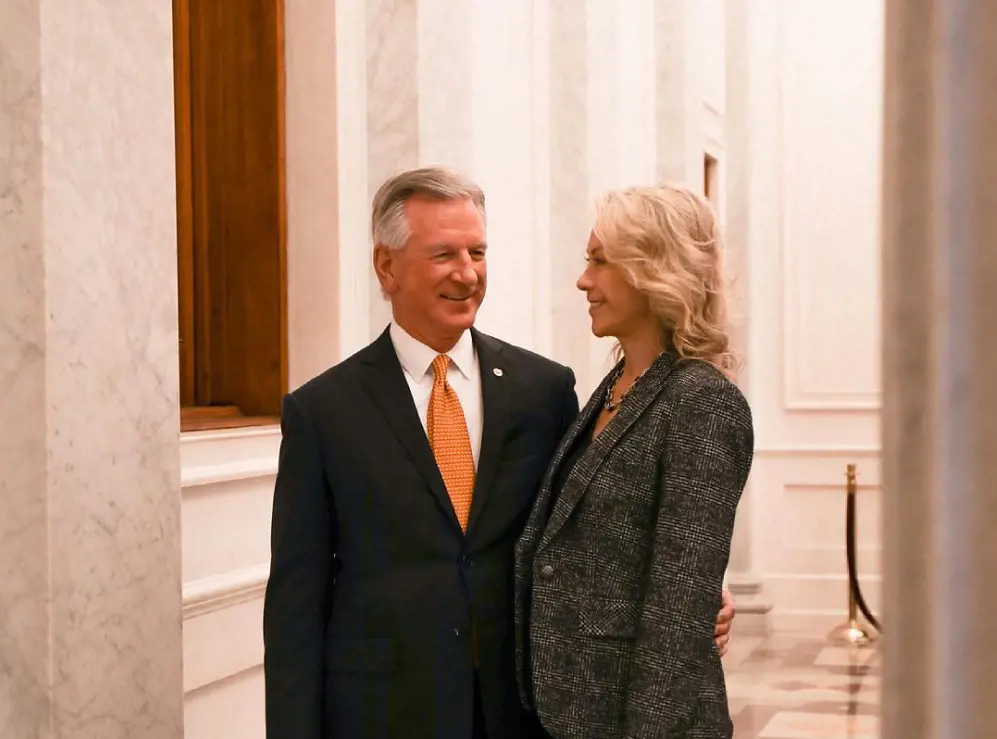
384	265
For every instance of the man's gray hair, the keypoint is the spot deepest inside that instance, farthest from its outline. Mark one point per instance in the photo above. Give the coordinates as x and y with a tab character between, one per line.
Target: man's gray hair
389	225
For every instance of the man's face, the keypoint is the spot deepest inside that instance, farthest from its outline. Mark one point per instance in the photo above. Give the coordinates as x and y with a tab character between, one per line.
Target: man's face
436	281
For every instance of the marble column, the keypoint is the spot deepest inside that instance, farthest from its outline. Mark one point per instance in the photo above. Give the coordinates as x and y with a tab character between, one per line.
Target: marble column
90	612
392	107
940	365
750	81
678	94
568	201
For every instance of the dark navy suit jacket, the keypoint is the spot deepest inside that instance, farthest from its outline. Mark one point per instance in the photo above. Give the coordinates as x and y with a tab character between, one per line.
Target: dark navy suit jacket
373	587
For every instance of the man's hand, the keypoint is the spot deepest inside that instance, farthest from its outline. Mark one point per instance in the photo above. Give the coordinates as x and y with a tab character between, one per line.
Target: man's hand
721	635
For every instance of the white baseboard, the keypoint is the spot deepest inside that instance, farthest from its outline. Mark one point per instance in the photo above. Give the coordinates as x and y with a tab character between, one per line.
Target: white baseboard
753	605
816	603
816	623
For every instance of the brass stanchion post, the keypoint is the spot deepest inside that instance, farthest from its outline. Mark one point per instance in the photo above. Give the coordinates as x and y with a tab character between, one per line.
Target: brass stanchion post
853	631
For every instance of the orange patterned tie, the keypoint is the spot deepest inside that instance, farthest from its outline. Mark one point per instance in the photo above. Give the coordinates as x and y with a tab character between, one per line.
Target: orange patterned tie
450	441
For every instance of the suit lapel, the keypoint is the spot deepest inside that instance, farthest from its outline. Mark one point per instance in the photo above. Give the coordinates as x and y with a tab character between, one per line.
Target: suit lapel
588	464
495	402
541	514
385	382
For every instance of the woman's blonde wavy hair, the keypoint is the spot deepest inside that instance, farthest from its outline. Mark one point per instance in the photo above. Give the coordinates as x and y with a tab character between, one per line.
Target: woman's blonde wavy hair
667	241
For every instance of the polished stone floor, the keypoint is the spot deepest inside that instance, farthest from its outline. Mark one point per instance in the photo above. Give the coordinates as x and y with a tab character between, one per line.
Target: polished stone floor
799	687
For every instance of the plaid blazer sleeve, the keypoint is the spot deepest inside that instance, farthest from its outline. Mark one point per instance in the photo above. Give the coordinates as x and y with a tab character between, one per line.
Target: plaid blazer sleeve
704	465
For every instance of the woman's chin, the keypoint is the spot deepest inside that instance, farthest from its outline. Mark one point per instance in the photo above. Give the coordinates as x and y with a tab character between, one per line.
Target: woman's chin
600	332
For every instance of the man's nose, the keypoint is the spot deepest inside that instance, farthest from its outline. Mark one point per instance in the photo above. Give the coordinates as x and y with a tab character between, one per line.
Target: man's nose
464	271
466	276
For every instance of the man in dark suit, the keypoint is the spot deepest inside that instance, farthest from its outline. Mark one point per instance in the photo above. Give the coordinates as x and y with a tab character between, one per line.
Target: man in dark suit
406	474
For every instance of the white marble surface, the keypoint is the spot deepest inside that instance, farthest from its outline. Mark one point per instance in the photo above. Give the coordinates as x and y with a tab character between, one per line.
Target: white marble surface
678	95
392	112
445	49
89	457
311	165
24	695
939	364
545	105
392	89
736	215
505	153
570	204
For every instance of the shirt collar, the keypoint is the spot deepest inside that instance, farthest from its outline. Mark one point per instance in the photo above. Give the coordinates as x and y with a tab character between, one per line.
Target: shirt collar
416	358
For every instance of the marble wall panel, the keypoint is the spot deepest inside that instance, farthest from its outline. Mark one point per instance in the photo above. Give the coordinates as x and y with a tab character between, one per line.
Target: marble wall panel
88	450
24	647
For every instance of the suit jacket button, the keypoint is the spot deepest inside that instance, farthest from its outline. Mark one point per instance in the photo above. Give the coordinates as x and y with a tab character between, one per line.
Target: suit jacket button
456	632
546	572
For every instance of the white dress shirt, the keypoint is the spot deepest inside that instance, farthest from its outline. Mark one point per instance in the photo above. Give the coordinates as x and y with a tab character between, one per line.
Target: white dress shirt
464	377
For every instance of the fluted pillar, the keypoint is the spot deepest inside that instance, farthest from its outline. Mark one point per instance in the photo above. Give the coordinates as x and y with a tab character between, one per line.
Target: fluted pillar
940	370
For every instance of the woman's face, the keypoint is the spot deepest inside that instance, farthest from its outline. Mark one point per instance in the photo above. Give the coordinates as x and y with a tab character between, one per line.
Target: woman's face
616	307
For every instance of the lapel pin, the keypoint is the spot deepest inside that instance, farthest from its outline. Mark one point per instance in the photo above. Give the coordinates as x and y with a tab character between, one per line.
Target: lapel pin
497	371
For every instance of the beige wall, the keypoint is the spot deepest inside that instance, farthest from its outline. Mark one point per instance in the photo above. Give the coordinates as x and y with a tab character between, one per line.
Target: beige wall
808	189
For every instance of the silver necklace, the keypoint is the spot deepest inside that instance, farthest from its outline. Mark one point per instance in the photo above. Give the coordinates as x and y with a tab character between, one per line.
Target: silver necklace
609	404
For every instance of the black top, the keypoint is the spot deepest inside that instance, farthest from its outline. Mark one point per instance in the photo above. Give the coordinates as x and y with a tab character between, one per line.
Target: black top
578	448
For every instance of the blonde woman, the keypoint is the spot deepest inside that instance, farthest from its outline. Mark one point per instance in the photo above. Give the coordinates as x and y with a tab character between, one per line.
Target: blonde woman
620	567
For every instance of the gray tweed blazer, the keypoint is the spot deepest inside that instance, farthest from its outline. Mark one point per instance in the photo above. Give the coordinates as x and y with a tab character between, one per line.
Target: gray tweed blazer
618	582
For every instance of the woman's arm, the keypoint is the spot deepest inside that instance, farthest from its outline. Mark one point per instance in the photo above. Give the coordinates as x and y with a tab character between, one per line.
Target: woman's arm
704	465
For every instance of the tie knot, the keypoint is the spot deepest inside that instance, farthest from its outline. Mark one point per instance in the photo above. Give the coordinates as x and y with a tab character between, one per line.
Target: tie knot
440	366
